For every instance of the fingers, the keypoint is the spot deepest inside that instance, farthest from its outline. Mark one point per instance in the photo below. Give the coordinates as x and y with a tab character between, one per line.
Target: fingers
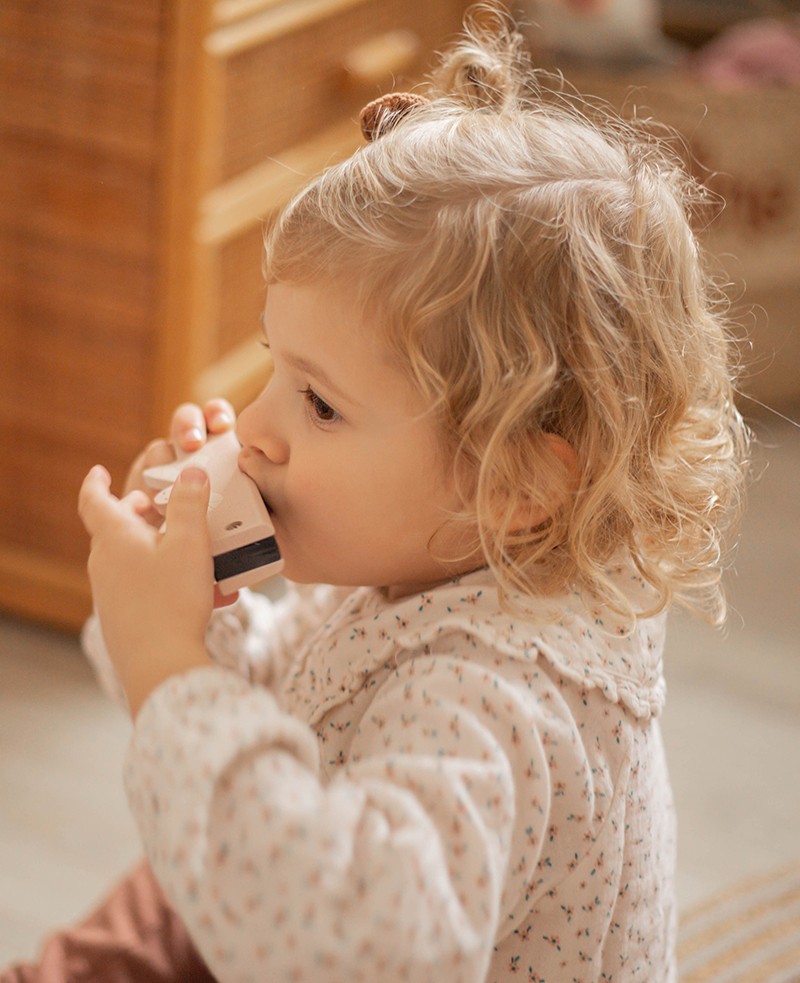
187	429
156	453
190	423
97	506
187	509
220	415
95	501
224	600
139	502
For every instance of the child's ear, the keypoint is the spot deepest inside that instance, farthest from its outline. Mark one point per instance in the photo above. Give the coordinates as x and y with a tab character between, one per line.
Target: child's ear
565	452
528	514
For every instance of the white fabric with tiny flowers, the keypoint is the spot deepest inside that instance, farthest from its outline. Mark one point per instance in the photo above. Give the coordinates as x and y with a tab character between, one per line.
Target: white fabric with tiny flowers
425	790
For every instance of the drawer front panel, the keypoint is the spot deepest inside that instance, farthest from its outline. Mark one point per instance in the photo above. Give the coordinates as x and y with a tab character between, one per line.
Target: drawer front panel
294	82
242	290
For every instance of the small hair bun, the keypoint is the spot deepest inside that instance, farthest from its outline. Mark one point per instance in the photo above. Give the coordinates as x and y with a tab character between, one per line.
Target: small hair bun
382	114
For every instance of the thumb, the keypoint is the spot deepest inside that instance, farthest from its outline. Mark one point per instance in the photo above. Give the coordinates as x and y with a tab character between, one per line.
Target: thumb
188	505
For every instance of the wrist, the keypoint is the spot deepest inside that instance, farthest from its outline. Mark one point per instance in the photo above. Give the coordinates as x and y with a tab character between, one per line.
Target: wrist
148	674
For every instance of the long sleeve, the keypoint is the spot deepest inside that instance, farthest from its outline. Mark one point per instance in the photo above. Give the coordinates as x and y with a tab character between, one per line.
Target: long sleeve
255	637
94	648
238	638
429	790
259	638
393	869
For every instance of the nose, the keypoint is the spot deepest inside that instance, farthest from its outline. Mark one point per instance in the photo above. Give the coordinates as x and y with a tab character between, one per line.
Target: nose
256	428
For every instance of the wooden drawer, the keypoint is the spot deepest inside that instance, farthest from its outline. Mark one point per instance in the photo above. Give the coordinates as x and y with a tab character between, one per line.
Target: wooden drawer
107	59
235	365
231	229
241	289
286	82
293	70
145	145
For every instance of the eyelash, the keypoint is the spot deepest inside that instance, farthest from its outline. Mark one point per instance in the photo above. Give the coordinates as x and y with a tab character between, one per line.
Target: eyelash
318	408
316	404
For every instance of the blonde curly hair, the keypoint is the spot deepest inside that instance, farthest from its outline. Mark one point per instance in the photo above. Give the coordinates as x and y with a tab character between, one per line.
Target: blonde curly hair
533	267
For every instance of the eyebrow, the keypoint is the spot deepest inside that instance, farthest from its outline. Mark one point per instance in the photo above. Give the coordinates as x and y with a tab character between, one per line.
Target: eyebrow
317	372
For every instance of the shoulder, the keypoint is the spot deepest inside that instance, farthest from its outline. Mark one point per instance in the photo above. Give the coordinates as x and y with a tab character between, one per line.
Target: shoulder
583	644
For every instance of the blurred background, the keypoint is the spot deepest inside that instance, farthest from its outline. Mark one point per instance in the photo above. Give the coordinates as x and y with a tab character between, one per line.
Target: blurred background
142	149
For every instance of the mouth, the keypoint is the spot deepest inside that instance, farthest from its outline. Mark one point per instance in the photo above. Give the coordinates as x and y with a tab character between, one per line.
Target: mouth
242	461
267	506
264	499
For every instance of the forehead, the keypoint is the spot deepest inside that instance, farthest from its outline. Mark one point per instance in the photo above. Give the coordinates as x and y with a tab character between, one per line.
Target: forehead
323	318
322	327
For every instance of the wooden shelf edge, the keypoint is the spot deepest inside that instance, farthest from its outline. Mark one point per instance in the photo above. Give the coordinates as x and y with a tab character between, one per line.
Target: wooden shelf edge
246	200
41	589
238	376
271	23
230	11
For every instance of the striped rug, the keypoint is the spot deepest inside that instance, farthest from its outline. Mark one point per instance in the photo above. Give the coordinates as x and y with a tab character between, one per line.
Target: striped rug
748	934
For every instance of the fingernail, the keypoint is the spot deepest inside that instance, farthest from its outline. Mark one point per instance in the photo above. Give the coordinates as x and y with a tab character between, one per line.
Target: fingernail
193	476
195	436
223	417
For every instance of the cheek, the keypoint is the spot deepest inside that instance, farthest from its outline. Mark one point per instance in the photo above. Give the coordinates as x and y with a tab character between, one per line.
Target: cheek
319	492
368	487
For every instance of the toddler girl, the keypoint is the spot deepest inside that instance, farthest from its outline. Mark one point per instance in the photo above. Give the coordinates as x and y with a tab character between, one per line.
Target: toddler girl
501	408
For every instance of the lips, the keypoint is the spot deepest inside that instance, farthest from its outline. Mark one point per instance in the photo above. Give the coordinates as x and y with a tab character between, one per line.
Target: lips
264	498
243	458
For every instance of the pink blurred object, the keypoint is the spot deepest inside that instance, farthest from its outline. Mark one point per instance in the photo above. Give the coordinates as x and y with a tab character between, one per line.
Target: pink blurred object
753	53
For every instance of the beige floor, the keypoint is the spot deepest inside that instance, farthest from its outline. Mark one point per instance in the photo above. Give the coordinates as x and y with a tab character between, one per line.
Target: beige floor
732	730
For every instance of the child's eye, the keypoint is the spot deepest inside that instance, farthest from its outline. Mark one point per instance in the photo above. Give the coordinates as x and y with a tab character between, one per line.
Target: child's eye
319	409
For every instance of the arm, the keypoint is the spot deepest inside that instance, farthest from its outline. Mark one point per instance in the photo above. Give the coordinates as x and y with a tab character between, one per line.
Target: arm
188	429
241	637
238	635
393	870
255	637
153	592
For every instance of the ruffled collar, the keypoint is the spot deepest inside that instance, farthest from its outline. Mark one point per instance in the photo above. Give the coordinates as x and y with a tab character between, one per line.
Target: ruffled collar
583	643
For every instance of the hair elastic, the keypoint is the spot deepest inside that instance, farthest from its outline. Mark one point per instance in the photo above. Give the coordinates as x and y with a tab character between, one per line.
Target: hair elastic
383	113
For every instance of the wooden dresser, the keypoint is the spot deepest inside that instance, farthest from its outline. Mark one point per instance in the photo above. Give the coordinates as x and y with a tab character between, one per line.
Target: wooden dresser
142	145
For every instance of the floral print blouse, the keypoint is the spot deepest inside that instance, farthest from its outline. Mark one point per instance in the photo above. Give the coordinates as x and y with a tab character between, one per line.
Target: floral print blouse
422	790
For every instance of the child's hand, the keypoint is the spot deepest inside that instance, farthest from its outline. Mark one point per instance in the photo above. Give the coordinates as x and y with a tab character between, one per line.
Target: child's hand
153	592
189	428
